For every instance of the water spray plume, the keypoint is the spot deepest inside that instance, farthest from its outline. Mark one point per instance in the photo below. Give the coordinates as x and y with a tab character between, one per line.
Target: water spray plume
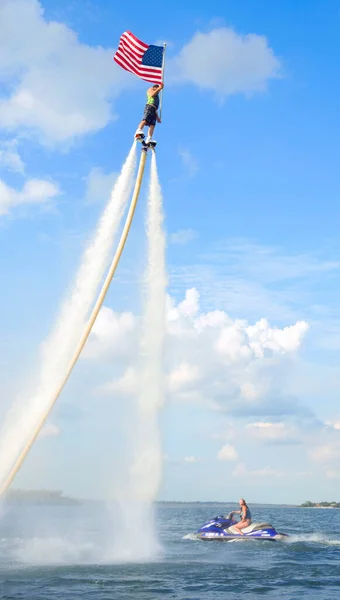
26	421
143	479
147	468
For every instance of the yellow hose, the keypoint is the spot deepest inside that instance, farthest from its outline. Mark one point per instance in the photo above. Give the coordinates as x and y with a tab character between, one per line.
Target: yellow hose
94	314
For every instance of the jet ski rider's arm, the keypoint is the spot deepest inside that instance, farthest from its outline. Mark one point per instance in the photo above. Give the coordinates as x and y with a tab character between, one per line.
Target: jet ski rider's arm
235	512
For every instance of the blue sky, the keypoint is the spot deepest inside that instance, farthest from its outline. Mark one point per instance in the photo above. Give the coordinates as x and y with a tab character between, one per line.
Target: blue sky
248	162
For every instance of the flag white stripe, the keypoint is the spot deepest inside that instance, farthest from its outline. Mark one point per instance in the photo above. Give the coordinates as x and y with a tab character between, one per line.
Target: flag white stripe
125	44
134	42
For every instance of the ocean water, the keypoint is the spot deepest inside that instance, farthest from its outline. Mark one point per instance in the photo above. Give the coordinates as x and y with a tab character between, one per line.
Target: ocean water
70	552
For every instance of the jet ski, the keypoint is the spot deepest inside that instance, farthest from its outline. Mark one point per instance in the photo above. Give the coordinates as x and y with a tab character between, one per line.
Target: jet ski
223	528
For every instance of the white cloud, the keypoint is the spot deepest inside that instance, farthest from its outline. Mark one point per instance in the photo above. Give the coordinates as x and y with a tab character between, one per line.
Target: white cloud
183	376
99	185
57	88
189	162
227	452
249	390
283	340
210	358
34	191
327	452
335	424
266	472
242	471
54	85
9	156
49	430
191	459
226	62
239	342
112	334
183	236
188	307
126	385
272	432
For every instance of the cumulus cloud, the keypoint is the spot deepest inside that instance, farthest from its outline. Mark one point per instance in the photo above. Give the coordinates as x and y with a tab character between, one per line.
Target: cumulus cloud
226	62
9	156
227	452
34	191
99	185
54	85
210	358
182	377
334	424
58	88
238	341
272	433
112	334
187	308
183	236
126	385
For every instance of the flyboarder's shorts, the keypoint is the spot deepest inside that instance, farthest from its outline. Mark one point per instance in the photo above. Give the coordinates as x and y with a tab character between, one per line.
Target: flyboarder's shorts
149	115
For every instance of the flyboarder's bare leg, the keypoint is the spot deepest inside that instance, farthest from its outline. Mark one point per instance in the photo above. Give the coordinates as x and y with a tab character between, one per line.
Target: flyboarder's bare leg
151	130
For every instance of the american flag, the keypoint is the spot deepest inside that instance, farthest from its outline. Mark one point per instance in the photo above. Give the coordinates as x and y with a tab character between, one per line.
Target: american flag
139	58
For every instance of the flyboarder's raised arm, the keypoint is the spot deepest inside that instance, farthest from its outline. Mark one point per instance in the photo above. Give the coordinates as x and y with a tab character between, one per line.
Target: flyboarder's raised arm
153	91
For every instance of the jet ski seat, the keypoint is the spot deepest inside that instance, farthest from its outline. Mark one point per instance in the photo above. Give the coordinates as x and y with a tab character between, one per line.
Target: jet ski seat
252	527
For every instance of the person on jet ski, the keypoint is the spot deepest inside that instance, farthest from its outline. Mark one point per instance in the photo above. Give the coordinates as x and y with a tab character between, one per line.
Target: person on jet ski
245	516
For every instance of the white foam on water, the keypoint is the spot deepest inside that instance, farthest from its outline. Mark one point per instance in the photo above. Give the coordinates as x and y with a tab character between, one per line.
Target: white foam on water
191	536
312	538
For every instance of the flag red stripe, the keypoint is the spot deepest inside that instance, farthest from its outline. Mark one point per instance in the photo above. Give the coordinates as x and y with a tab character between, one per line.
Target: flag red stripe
127	51
123	44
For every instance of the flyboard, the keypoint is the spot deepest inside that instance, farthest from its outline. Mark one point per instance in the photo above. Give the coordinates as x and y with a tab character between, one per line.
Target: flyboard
140	137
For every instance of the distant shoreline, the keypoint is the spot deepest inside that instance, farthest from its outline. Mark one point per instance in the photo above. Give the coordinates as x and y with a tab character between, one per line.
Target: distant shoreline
52	497
57	498
323	504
